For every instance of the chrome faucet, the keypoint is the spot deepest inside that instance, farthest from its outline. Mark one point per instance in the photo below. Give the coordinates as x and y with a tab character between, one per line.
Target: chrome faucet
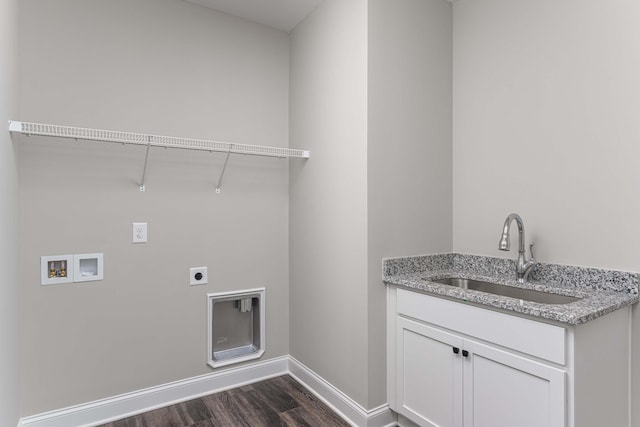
523	267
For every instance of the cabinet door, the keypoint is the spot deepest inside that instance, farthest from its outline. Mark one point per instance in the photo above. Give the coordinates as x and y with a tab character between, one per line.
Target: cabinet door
502	389
428	375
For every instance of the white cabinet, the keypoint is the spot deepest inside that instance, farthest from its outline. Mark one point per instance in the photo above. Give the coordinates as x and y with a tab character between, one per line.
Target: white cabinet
450	381
452	364
502	389
425	356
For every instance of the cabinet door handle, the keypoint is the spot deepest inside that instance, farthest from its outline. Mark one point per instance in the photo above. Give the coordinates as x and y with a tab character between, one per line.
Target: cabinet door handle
465	353
456	350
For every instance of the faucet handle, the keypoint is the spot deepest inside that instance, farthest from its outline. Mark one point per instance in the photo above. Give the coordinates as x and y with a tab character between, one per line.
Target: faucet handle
533	258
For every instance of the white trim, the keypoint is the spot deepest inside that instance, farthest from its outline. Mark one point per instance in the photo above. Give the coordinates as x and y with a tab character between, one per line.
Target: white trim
346	407
129	404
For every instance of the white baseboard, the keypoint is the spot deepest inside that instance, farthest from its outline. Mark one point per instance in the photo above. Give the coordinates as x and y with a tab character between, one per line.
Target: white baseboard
349	409
129	404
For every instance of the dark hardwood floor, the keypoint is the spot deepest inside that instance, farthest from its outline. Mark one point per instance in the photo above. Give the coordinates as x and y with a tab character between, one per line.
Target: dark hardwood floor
280	401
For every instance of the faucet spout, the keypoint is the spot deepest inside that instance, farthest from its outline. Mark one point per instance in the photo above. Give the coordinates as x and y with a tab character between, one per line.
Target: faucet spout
523	266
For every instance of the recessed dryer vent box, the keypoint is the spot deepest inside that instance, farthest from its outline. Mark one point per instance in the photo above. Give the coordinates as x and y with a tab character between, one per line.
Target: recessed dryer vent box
235	327
88	267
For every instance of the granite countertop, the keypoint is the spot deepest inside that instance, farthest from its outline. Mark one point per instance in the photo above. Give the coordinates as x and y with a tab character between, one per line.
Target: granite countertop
601	291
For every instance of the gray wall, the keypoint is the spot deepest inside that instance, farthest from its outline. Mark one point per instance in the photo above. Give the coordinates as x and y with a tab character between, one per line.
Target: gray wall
170	68
9	303
546	106
328	195
546	103
373	102
408	148
545	98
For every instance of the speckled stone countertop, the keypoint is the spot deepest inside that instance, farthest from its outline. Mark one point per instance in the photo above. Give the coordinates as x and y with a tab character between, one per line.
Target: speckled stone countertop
601	291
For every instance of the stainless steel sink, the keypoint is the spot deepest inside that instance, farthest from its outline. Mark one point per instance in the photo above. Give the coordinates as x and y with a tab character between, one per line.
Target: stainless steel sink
507	291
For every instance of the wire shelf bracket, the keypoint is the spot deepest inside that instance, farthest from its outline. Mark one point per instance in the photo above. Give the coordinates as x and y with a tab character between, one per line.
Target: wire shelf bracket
77	133
224	168
144	170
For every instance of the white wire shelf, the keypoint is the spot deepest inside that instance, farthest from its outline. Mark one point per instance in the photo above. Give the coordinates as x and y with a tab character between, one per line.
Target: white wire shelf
149	141
152	140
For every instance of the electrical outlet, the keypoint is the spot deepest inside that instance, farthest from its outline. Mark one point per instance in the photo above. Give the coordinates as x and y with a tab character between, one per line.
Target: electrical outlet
139	232
198	276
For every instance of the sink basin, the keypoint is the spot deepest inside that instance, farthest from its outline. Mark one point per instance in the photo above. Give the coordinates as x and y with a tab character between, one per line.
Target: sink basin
507	291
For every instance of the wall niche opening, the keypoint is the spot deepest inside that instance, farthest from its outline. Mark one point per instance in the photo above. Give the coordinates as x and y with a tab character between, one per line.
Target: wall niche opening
235	327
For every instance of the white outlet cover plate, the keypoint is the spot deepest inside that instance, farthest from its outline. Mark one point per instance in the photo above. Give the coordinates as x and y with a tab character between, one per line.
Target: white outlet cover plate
139	232
192	276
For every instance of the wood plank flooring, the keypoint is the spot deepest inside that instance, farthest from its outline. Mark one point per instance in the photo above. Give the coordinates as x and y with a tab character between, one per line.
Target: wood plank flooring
279	401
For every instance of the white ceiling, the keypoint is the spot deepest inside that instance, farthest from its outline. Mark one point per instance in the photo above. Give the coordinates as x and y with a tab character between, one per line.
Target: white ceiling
281	14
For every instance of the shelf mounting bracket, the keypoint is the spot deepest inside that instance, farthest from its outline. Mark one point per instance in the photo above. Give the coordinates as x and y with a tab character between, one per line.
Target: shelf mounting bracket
144	170
224	168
